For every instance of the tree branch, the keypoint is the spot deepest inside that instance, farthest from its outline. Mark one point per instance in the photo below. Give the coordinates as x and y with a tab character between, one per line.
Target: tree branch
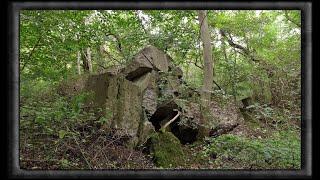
111	57
33	49
238	46
117	38
168	123
217	84
290	19
119	47
101	66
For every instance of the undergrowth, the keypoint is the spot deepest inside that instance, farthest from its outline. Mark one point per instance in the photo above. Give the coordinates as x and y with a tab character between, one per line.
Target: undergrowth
280	151
62	132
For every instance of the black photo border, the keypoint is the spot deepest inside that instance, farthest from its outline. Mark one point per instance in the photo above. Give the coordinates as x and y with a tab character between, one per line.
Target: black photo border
14	170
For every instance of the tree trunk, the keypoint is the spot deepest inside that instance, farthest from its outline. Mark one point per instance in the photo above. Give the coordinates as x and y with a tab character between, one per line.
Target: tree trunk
147	33
208	73
85	63
87	66
78	62
89	59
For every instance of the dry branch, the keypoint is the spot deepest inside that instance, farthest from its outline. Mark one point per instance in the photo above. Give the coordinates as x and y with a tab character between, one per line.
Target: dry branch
169	122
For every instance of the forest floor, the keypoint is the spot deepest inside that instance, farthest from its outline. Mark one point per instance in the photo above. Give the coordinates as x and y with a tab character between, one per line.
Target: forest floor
93	148
55	133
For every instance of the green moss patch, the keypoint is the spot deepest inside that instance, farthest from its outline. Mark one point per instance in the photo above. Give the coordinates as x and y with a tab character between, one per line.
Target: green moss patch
166	150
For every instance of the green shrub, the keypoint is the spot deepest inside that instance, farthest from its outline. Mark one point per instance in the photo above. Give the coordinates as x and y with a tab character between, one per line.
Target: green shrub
49	111
281	151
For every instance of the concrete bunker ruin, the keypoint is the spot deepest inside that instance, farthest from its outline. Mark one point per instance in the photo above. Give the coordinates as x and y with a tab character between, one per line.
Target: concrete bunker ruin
143	96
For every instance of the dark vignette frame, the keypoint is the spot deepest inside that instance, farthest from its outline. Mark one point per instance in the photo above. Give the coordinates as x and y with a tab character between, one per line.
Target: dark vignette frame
14	170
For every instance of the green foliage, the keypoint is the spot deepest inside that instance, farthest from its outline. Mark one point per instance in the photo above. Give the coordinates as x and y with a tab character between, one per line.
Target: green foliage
51	112
244	90
278	118
62	133
281	151
79	100
64	163
264	111
32	88
51	39
107	115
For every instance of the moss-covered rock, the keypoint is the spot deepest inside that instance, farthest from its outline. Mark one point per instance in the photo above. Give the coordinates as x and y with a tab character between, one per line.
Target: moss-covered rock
166	150
124	99
144	132
259	89
72	85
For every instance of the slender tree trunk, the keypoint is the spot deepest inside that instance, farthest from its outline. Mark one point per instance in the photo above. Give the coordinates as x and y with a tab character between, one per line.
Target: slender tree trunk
78	62
208	73
89	59
143	27
85	62
86	59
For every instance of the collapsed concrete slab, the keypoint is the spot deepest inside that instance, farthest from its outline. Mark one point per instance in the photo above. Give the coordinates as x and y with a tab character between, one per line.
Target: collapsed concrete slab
146	60
143	96
131	93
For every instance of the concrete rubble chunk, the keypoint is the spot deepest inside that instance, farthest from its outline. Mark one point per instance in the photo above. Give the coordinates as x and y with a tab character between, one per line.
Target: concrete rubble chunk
149	58
143	81
156	57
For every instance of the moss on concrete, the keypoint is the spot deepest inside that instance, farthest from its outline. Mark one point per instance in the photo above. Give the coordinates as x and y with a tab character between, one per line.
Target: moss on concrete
124	99
167	150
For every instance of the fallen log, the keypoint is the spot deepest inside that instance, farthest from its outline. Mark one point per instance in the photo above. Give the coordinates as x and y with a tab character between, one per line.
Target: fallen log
222	129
